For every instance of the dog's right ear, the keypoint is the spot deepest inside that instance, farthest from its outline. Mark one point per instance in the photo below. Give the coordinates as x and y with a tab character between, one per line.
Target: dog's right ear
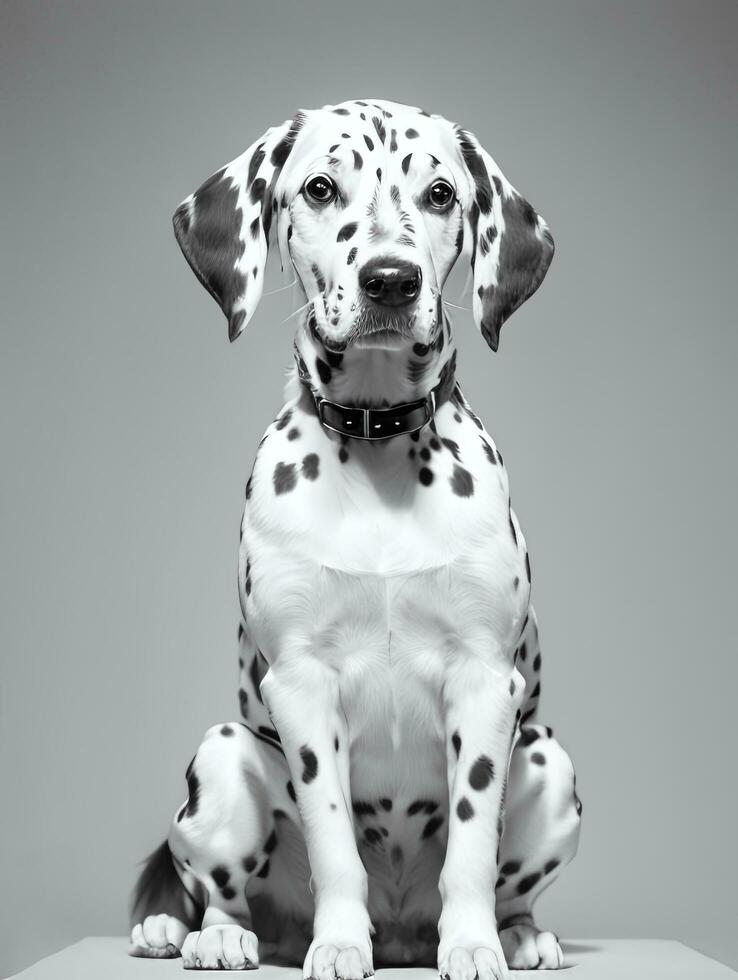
223	227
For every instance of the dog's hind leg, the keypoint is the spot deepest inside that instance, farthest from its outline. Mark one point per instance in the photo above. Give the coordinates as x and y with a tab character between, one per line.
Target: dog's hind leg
221	839
540	836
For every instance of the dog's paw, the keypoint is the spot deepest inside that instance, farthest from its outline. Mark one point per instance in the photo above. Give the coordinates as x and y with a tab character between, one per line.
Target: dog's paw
333	961
158	936
527	948
472	962
221	948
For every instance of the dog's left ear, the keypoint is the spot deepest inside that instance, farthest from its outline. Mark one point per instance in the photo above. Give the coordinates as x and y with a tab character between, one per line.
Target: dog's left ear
223	227
512	246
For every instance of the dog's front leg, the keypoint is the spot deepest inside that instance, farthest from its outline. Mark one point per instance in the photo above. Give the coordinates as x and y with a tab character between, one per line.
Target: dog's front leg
480	704
302	697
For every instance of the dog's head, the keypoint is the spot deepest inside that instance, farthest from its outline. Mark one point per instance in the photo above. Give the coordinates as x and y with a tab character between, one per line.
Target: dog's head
372	203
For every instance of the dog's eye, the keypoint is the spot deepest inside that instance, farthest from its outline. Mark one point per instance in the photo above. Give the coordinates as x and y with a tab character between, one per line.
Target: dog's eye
320	189
440	195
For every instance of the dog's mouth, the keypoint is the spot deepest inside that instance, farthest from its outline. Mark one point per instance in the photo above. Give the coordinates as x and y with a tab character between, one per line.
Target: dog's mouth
373	328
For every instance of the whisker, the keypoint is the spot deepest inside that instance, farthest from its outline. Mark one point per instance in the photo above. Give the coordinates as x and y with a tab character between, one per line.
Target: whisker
467	309
300	309
281	288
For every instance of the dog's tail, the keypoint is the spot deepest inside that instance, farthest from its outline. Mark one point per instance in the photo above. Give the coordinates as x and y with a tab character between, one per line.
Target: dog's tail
160	889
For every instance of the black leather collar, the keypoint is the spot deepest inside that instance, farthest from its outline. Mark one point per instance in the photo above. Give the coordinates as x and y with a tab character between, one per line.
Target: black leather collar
376	423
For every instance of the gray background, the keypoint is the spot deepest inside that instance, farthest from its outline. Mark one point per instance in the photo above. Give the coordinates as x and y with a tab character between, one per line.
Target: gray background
129	423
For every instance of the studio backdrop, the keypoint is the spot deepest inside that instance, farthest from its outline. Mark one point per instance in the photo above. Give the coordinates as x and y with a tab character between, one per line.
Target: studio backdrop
129	423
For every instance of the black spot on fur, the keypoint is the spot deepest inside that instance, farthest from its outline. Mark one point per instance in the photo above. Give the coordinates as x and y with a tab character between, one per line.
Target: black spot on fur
386	804
291	791
358	162
310	466
243	700
193	791
324	371
269	733
529	881
550	866
372	835
369	142
425	476
283	420
318	277
309	764
528	736
416	807
342	455
411	134
537	662
348	231
227	731
254	675
462	482
536	690
406	163
257	190
527	567
284	477
336	743
379	127
362	808
264	871
453	448
431	827
351	256
464	809
482	773
425	453
220	875
228	893
477	169
283	149
539	758
456	742
249	864
512	526
510	867
271	842
293	434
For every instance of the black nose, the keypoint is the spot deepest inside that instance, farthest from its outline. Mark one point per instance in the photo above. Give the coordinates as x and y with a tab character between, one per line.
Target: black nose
390	282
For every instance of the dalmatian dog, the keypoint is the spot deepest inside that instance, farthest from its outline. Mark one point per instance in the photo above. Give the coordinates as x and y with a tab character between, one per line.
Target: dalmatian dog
387	795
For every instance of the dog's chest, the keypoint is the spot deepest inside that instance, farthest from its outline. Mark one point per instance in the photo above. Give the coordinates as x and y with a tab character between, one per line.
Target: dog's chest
386	566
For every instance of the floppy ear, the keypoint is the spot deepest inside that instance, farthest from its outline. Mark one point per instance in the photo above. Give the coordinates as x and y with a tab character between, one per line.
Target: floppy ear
512	246
223	227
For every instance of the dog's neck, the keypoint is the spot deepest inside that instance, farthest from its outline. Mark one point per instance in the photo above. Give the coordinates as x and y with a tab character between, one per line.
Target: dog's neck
374	377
